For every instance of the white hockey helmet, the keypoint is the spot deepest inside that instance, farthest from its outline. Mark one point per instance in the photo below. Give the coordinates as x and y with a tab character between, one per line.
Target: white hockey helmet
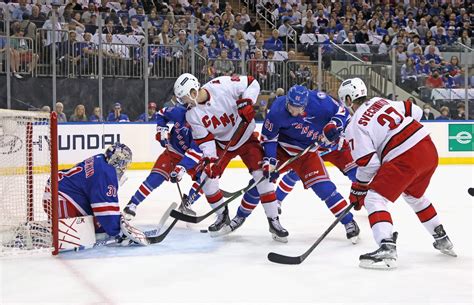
354	88
183	86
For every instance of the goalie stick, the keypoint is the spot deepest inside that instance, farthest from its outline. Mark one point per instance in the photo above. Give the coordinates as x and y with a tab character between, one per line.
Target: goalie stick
151	234
196	219
296	260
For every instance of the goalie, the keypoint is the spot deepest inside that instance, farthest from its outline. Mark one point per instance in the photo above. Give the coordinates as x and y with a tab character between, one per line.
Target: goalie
88	202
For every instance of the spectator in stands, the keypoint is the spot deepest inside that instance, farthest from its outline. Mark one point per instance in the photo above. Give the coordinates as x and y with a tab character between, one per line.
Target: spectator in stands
20	45
245	16
435	80
423	67
321	21
91	26
89	52
226	40
273	96
223	65
20	10
455	71
401	55
309	28
427	114
112	55
37	17
414	44
274	43
362	36
164	37
411	28
60	112
350	38
45	109
79	114
461	112
440	37
385	44
444	114
422	28
110	28
96	116
258	68
208	37
409	75
88	12
116	114
151	114
252	25
28	27
451	37
123	11
465	39
14	57
214	50
135	28
308	16
431	54
285	29
201	49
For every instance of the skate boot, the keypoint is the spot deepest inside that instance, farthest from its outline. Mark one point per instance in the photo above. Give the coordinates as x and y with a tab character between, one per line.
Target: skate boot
442	242
383	258
235	223
278	232
185	206
352	231
130	211
222	220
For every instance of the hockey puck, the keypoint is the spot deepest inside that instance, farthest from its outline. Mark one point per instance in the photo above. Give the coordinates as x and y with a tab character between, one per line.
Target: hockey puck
471	191
203	231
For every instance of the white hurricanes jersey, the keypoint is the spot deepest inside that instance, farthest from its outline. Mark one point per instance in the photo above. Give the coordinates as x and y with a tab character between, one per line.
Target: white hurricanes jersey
217	118
381	130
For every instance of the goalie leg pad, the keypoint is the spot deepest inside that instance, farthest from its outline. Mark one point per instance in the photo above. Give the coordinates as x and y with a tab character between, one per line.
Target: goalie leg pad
76	232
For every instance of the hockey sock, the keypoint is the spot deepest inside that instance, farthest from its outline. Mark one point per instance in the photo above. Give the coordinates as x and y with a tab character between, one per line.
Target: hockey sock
216	199
326	190
249	202
192	191
425	211
270	205
379	218
151	182
286	185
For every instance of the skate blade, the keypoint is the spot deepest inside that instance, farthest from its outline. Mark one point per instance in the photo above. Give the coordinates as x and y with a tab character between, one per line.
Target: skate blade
222	232
354	240
280	239
386	264
449	252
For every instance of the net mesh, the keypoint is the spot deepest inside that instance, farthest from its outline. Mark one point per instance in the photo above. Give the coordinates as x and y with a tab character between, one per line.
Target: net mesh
25	167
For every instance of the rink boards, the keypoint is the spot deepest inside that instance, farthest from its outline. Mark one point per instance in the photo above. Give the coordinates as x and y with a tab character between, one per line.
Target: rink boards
454	141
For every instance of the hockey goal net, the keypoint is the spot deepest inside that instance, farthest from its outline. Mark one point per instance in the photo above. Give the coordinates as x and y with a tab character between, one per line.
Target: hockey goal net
28	158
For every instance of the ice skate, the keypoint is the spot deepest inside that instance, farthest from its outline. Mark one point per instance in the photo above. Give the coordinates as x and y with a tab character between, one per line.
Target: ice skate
352	231
221	221
278	232
442	242
384	258
235	223
129	212
185	206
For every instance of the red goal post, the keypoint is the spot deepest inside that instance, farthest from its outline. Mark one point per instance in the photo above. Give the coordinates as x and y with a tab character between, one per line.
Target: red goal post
28	166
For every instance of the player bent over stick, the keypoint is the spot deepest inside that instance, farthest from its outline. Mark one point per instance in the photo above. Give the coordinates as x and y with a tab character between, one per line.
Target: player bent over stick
396	157
215	112
90	188
181	156
296	121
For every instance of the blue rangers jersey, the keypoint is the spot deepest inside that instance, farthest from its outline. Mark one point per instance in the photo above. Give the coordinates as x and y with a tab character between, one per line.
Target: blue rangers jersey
181	139
294	134
91	187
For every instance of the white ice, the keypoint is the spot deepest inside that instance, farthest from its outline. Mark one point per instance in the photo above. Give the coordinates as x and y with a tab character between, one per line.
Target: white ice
190	266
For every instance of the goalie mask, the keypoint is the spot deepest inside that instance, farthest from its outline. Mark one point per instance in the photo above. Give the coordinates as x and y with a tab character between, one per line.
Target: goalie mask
119	156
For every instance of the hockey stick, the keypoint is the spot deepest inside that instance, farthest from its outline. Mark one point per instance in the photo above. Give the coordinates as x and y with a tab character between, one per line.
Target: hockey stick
296	260
151	234
196	219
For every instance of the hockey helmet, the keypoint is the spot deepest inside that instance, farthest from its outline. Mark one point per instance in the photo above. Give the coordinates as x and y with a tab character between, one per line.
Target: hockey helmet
119	156
297	96
354	88
183	86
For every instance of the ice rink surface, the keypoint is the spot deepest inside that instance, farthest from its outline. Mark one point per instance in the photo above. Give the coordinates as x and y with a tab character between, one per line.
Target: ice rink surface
190	266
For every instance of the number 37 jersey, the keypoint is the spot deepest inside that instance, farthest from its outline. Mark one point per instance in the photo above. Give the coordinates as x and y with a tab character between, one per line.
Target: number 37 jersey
381	130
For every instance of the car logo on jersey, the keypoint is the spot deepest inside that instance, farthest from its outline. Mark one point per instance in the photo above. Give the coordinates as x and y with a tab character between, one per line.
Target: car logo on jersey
10	144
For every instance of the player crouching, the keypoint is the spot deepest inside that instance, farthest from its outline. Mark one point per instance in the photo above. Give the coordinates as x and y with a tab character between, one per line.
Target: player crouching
395	156
88	201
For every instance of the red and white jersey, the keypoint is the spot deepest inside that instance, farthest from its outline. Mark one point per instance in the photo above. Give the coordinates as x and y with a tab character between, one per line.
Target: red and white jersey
381	130
217	119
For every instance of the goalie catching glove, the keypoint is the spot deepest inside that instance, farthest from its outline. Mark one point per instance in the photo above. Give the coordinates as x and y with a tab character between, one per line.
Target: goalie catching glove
129	235
357	195
245	109
162	134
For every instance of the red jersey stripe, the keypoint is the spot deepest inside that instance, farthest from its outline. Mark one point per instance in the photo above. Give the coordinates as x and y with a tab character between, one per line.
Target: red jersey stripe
399	138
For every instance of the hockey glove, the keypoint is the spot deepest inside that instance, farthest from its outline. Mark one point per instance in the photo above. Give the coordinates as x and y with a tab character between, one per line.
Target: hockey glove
245	109
358	193
268	166
132	233
211	168
162	133
177	174
332	131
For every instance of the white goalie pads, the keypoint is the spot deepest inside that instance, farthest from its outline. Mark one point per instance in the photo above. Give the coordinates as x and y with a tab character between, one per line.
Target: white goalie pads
76	233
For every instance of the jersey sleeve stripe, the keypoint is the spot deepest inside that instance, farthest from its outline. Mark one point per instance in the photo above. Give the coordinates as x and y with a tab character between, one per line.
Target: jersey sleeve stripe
363	161
408	108
109	208
107	213
402	136
209	137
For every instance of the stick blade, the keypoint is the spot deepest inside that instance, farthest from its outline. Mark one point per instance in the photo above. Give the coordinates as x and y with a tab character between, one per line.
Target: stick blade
184	217
283	259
